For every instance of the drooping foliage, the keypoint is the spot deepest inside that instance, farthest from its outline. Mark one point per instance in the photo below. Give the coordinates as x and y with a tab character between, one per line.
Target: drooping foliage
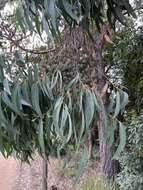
43	114
48	15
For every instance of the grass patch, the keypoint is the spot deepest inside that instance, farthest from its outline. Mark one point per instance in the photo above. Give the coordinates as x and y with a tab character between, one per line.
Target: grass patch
98	183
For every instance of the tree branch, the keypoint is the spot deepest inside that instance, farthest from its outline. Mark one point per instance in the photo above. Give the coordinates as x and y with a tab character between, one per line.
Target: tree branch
8	32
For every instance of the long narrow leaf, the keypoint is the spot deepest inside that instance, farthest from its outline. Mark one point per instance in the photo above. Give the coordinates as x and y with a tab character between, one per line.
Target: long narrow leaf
82	165
41	136
118	106
122	143
35	99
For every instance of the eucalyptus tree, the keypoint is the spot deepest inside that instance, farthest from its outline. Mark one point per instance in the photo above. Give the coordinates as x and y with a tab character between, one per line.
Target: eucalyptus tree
45	104
93	21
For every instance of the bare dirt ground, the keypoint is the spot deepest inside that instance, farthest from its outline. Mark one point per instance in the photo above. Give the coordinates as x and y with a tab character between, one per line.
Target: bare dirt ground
8	173
30	177
16	176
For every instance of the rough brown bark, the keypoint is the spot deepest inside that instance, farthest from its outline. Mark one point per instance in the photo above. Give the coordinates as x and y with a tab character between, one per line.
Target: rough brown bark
105	166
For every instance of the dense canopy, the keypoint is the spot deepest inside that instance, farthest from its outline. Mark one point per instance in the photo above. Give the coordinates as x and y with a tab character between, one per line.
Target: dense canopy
48	14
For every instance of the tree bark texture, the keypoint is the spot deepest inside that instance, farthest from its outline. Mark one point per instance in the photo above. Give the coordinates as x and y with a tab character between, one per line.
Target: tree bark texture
105	166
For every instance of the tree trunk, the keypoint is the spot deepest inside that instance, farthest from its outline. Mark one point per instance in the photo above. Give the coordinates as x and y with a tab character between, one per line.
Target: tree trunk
45	174
105	166
90	145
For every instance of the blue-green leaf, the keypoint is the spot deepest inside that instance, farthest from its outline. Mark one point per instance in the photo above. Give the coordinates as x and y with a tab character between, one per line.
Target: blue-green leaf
96	102
41	136
35	99
16	97
20	18
118	106
68	137
37	24
88	108
9	104
124	100
56	114
70	10
50	8
122	143
2	116
72	83
82	165
64	118
113	127
6	86
82	129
